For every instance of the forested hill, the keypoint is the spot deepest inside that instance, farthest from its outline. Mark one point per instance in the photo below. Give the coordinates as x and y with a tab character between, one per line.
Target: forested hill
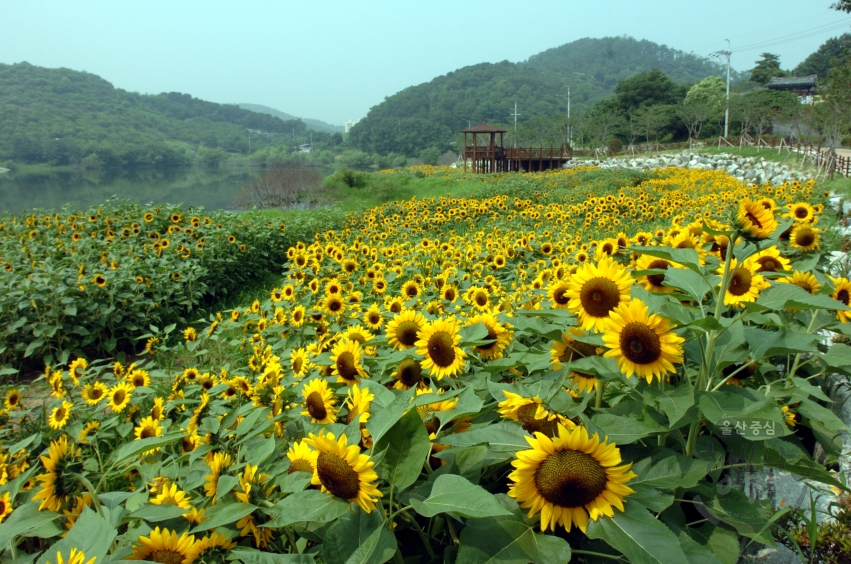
430	114
63	116
314	124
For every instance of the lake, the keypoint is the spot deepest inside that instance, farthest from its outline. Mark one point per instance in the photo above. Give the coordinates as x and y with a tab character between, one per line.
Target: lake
212	189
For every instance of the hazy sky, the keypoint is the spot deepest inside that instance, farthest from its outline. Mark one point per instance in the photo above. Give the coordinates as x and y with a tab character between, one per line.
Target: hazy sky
334	60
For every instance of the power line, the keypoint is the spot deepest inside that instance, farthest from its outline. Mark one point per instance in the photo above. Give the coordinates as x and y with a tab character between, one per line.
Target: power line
792	37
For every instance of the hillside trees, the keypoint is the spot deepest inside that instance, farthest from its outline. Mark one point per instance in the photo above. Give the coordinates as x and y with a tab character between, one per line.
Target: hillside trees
767	67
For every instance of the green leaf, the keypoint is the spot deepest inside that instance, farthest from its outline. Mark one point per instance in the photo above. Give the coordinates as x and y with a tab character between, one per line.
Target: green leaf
621	430
407	446
382	421
250	421
696	552
252	556
507	541
839	357
651	498
307	505
751	518
359	538
780	297
456	494
91	534
225	484
23	521
666	469
157	513
723	543
674	403
639	535
688	281
131	450
686	257
500	437
260	451
768	343
468	402
223	514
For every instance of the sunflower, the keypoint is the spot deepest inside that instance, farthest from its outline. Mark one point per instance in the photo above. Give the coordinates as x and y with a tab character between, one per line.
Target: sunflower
297	316
745	284
91	427
654	282
438	343
357	333
569	478
408	374
334	304
535	418
595	290
302	458
403	329
801	212
217	462
372	318
300	362
172	495
478	297
138	378
12	399
212	548
5	506
319	402
755	219
841	293
164	547
499	335
343	471
77	370
189	334
804	280
148	428
410	290
119	397
769	260
643	344
60	416
99	280
358	401
59	484
804	237
557	292
76	556
346	359
788	415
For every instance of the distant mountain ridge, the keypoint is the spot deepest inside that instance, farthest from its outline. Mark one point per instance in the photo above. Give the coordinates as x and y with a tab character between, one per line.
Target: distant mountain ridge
314	124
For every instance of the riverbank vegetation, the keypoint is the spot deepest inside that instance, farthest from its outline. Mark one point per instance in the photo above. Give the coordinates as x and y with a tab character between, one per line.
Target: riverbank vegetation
567	365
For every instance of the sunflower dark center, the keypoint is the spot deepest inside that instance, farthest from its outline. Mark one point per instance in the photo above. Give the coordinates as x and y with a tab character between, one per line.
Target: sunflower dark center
449	294
639	343
767	264
801	213
337	476
147	433
559	296
374	318
570	478
60	414
335	305
410	372
395	307
406	333
441	349
297	364
165	557
432	425
526	415
412	291
140	381
805	238
843	296
481	299
118	397
300	465
346	366
740	282
576	350
599	296
658	264
492	337
315	406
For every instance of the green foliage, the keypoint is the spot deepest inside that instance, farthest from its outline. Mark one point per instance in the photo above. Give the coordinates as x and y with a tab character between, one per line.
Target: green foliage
767	67
829	54
648	89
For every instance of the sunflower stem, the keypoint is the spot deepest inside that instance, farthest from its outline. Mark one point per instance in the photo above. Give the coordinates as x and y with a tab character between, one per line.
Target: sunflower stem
423	536
598	554
598	401
92	491
795	364
397	556
452	532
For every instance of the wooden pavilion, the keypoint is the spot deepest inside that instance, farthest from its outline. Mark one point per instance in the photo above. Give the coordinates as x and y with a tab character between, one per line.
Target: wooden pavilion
493	157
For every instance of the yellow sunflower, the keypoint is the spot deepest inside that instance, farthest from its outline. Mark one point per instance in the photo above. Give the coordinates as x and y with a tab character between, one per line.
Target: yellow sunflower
343	471
59	484
189	334
769	260
804	280
212	548
12	399
77	369
755	219
654	282
557	291
119	397
499	335
801	212
319	402
745	284
148	428
408	374
346	356
172	495
438	343
217	462
805	237
76	556
643	344
302	458
334	304
165	547
373	318
60	416
595	290
403	329
535	418
5	506
94	392
841	293
299	362
569	478
358	401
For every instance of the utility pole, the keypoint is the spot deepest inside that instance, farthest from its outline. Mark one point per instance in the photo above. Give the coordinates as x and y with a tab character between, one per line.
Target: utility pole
515	114
727	54
249	140
569	125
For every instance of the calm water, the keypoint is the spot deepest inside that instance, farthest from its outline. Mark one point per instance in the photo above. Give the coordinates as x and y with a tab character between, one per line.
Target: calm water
212	189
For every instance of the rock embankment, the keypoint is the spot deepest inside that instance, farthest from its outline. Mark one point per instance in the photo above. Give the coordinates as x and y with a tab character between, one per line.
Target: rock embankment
755	170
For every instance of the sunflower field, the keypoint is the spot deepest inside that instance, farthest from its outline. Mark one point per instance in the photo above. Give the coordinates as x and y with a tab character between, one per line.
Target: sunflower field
561	368
87	283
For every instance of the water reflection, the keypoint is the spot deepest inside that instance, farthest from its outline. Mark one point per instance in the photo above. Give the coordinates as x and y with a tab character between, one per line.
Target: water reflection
212	189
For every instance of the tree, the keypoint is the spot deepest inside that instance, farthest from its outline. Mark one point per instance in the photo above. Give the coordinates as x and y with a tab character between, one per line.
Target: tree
842	6
767	67
694	115
828	55
652	120
648	89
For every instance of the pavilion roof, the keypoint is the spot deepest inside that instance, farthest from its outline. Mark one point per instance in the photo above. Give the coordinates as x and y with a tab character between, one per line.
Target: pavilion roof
784	82
484	128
